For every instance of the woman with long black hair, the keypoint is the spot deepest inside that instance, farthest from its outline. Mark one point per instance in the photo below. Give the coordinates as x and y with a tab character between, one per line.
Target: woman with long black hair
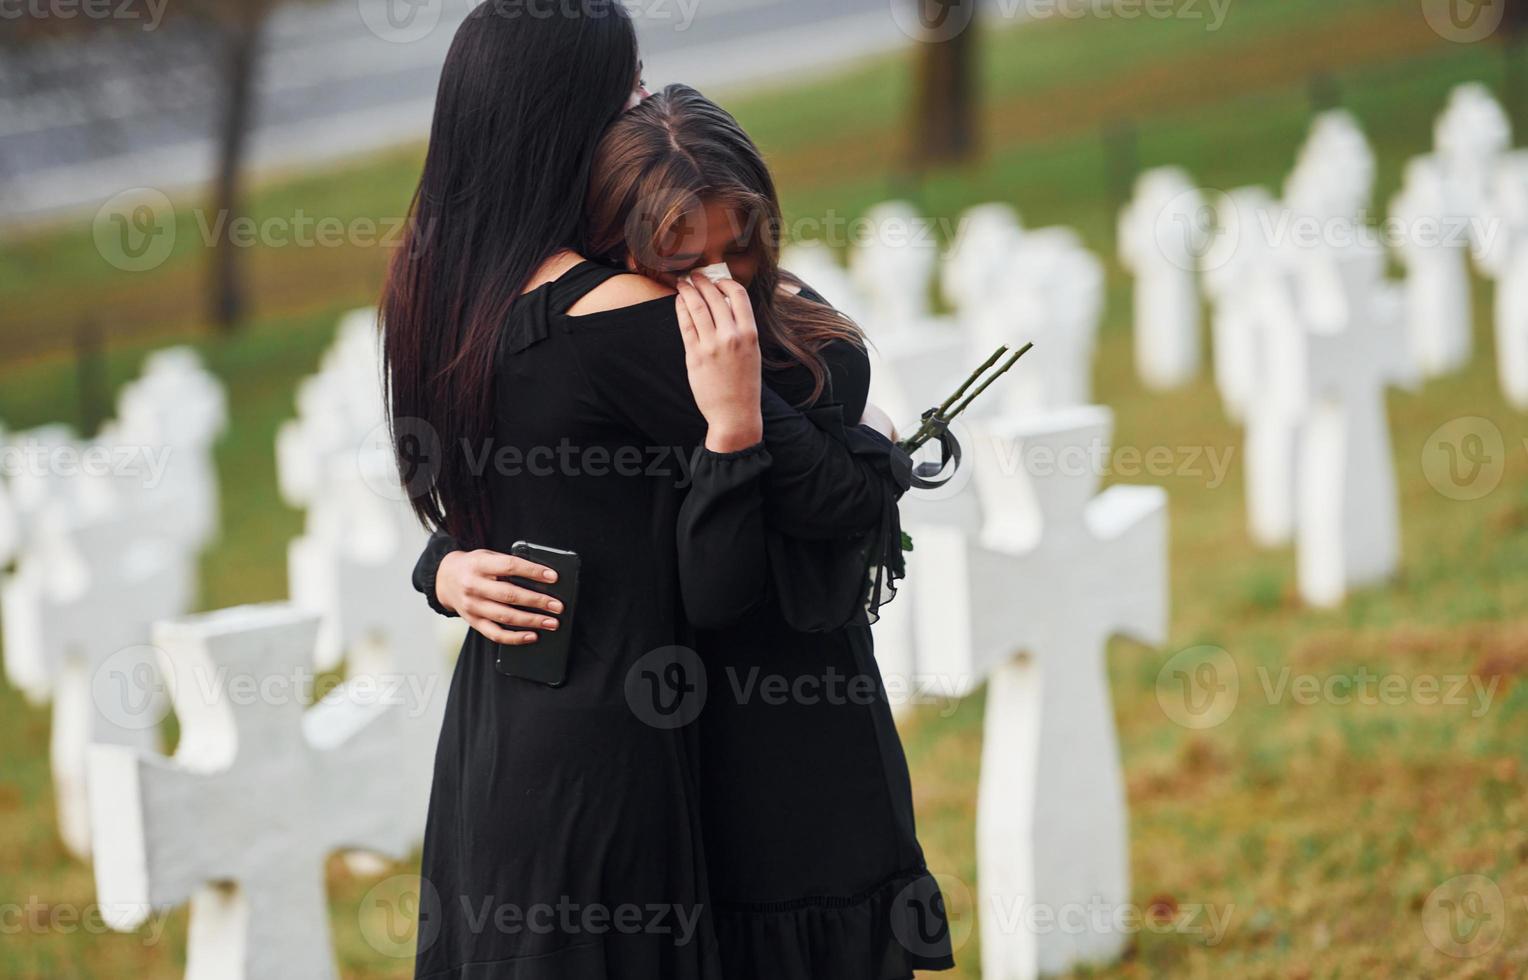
564	836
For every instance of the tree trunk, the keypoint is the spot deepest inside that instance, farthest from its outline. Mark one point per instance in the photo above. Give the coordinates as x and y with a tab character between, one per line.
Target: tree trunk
226	287
1514	35
945	128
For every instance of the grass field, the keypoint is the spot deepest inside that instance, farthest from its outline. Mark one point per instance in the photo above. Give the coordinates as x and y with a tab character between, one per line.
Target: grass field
1321	828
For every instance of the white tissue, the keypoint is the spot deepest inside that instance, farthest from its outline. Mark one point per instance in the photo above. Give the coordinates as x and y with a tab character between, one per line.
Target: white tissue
717	272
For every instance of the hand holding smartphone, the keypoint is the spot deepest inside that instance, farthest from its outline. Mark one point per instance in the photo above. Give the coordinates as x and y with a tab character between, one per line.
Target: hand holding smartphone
546	660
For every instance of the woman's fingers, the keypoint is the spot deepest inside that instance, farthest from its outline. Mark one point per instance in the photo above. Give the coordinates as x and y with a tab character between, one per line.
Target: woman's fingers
501	611
740	306
508	594
716	303
497	634
494	564
510	616
700	312
687	330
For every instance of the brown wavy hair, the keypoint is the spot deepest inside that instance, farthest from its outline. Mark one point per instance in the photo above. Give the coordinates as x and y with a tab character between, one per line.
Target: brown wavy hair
655	168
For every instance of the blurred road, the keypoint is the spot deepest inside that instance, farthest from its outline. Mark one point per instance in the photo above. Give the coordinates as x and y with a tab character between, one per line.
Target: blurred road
81	122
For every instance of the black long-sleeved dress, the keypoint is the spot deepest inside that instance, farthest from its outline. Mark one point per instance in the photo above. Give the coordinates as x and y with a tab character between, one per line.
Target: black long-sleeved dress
815	868
597	830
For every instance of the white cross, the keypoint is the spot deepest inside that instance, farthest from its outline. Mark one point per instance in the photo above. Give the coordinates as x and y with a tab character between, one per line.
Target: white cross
353	565
10	524
1238	255
337	409
77	612
1439	321
1349	512
179	408
1333	177
816	265
1162	233
1504	257
913	370
1470	137
894	266
1051	294
38	483
259	793
1031	605
1278	400
978	257
353	569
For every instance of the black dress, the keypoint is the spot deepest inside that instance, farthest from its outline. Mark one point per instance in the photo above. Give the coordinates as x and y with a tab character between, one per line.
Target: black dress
815	868
567	835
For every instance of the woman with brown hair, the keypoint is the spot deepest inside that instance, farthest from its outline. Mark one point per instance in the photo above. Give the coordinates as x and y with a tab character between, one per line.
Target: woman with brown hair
814	868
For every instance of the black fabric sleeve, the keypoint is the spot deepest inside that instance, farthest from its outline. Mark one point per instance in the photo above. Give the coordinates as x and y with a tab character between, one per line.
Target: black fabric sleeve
849	367
723	551
818	489
427	568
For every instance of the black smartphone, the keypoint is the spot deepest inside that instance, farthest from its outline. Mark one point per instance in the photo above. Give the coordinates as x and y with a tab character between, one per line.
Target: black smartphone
546	660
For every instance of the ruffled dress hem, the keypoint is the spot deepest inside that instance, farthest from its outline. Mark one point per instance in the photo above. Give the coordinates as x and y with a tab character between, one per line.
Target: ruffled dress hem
885	933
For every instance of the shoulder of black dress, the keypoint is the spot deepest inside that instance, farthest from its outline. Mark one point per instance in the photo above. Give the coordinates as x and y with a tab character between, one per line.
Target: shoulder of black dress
654	313
617	293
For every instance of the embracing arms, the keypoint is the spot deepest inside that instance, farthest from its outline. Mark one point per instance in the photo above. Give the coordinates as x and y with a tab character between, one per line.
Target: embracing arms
690	383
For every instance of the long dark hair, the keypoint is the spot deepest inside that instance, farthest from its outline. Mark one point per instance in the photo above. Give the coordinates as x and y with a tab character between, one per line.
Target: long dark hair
522	103
656	167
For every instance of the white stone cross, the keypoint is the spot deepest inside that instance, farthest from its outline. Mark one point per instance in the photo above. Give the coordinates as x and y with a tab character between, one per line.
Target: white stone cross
77	613
1470	137
912	370
337	409
1504	256
38	483
260	791
1333	176
1432	242
179	408
1162	234
1240	252
1349	511
1276	403
893	266
10	523
1031	605
353	568
977	258
1051	294
816	265
353	565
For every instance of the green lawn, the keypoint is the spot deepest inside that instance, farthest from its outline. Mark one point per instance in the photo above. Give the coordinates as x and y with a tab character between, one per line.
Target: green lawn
1322	828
